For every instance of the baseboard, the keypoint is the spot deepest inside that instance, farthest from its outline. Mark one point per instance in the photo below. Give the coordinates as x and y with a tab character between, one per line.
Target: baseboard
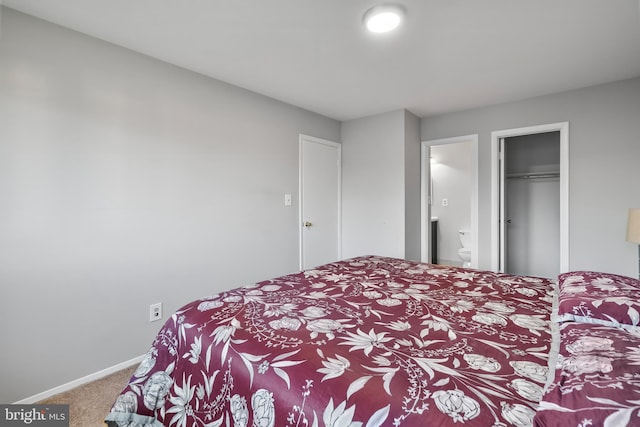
453	263
80	381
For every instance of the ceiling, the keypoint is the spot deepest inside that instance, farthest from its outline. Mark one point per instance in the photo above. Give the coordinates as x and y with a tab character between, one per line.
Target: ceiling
450	55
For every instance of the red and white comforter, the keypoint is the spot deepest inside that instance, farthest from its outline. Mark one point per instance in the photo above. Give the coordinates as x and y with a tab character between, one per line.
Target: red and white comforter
597	378
369	341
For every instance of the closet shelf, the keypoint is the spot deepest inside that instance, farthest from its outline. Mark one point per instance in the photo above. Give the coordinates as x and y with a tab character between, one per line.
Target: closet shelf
533	175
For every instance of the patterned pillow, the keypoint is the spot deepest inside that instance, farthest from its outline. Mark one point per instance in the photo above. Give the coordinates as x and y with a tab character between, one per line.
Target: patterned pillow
595	380
601	298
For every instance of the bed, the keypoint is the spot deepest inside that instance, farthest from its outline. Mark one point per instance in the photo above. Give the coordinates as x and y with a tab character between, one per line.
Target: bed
595	380
369	341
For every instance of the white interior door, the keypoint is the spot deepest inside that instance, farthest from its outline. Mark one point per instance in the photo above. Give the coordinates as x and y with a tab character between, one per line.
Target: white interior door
320	174
502	219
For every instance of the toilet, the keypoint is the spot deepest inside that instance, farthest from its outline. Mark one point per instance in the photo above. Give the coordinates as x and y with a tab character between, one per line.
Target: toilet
465	252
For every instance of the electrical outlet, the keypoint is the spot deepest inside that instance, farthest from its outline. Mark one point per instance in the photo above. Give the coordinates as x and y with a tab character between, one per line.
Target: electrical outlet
155	312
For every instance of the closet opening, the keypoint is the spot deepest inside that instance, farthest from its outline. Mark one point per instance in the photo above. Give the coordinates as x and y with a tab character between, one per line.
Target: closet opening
530	201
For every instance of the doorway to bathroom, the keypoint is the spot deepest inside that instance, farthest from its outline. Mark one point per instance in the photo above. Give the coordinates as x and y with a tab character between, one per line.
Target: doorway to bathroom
450	200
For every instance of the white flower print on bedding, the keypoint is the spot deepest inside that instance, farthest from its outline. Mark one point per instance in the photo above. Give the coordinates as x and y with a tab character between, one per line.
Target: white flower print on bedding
126	402
528	292
263	408
518	415
527	389
314	312
317	295
334	367
482	363
223	333
196	349
324	326
156	388
633	355
339	416
596	381
181	402
365	341
573	289
417	352
372	294
389	302
599	298
342	416
533	323
239	411
490	319
586	364
499	307
210	305
285	323
589	343
461	306
398	325
273	310
605	285
530	370
455	404
147	364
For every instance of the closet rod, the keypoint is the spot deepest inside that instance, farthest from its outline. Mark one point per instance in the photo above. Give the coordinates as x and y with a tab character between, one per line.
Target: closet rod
534	175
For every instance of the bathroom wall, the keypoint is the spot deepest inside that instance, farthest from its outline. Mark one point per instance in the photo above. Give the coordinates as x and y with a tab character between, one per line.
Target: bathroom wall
451	182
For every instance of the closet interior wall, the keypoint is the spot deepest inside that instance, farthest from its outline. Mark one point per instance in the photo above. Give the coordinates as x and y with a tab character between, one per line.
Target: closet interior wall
532	184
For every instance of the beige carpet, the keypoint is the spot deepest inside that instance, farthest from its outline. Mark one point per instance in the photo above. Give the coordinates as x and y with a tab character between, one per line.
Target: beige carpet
90	403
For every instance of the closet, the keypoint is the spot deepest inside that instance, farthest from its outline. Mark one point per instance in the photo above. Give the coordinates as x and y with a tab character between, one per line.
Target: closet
532	204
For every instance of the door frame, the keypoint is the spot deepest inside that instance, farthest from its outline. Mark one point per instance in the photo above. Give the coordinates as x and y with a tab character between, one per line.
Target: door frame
302	140
496	178
425	194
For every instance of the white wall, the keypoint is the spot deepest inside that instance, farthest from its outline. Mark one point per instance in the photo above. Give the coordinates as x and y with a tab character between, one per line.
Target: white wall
126	181
604	148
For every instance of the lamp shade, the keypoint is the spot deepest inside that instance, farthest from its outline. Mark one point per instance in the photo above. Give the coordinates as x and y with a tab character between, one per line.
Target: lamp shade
633	226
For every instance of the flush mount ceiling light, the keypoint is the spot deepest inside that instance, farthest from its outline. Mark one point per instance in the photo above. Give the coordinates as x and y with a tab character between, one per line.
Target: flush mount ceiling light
383	18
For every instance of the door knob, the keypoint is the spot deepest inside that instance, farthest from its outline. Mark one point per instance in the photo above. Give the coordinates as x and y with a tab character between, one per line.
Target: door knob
307	224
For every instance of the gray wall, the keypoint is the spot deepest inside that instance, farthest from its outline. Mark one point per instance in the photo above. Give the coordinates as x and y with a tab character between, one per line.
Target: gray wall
412	196
126	181
604	148
381	186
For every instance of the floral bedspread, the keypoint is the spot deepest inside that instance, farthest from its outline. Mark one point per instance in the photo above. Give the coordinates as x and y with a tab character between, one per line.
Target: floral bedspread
369	341
597	378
